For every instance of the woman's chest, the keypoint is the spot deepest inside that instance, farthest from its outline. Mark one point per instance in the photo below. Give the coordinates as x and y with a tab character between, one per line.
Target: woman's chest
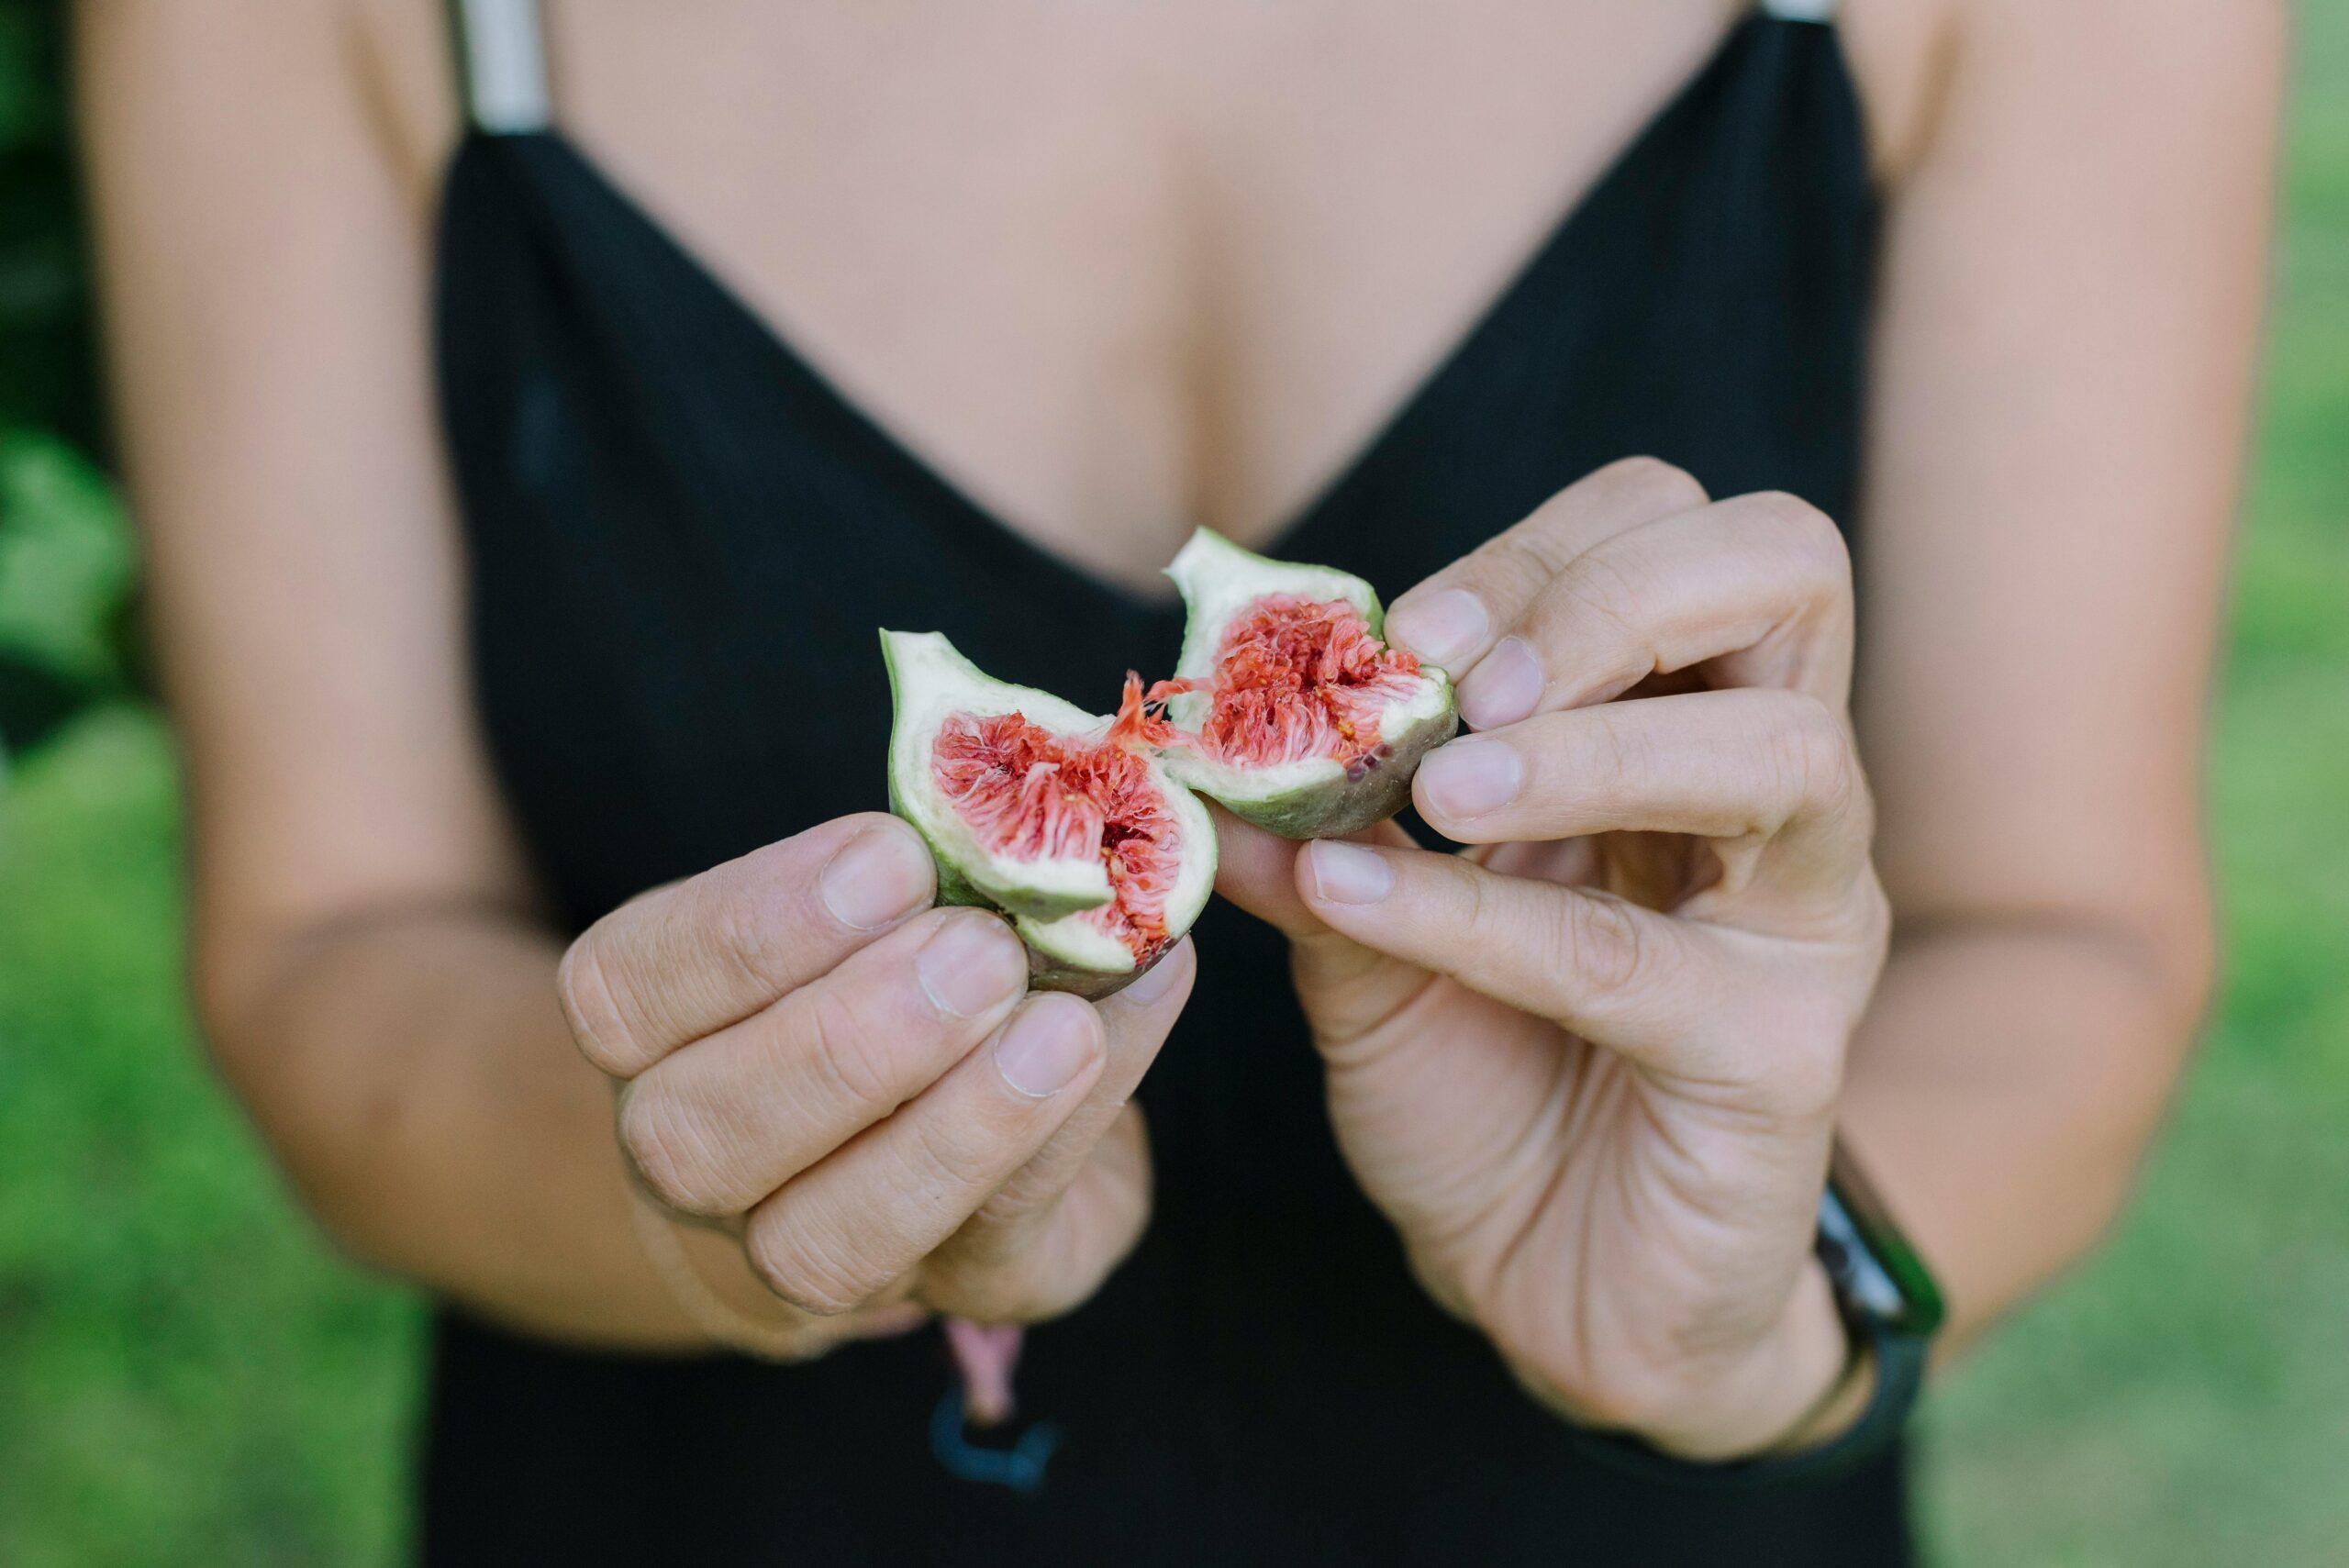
1116	268
681	540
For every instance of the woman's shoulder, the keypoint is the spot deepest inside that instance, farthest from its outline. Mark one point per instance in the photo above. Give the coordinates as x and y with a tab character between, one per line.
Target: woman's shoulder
1899	51
402	62
1906	55
183	79
398	58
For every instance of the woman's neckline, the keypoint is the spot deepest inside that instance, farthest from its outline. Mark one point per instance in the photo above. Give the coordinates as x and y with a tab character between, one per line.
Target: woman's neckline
1293	533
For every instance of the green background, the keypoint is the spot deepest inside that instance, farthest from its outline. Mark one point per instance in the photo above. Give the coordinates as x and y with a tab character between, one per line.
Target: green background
188	1376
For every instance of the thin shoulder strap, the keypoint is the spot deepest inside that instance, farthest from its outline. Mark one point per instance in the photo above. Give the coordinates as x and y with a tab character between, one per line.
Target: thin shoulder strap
1800	10
501	64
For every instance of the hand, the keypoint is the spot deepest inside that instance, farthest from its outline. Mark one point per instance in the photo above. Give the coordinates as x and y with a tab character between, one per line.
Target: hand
1590	1067
848	1103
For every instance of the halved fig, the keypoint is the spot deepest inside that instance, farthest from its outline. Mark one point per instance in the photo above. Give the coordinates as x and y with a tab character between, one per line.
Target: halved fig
1293	711
1066	822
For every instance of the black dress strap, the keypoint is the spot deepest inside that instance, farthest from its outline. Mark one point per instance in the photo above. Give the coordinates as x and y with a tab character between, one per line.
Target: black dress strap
501	64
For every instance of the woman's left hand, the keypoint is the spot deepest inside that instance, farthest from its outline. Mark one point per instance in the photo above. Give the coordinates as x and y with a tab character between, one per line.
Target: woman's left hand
1590	1067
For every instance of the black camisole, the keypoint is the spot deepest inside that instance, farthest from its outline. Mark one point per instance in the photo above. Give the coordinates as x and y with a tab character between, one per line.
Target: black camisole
681	540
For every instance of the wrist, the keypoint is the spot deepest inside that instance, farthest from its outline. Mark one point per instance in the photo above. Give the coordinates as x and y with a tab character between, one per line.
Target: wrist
1838	1410
1803	1384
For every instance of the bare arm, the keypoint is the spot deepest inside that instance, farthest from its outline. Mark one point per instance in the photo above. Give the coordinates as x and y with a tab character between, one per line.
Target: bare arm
365	959
2072	298
1591	1072
844	1109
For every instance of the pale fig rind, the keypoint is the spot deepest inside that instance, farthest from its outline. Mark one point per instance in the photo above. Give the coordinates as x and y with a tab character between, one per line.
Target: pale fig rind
1365	793
929	679
1070	954
1317	797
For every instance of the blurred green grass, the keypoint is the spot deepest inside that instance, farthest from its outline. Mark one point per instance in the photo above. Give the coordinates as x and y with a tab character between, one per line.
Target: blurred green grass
186	1376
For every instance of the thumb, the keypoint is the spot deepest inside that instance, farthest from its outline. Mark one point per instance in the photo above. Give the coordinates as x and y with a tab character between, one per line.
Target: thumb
1347	989
1257	870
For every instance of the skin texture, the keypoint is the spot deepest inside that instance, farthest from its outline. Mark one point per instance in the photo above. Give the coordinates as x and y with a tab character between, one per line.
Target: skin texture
1221	243
1529	1064
859	1089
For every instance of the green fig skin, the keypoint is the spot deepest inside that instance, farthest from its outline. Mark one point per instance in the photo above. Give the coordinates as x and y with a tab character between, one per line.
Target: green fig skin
1045	971
1032	911
1048	974
1336	806
954	886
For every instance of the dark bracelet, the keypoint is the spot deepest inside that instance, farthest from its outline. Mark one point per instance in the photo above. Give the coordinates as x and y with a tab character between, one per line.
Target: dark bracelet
1890	1306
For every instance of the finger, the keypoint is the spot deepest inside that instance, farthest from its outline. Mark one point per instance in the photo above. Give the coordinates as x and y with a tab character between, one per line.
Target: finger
1134	1025
1759	587
682	961
1457	617
1058	1224
1345	988
838	1235
1055	1256
1770	775
1257	870
717	1126
712	1261
1640	983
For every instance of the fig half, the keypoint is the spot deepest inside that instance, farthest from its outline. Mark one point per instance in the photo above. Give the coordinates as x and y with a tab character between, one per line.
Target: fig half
1291	710
1068	823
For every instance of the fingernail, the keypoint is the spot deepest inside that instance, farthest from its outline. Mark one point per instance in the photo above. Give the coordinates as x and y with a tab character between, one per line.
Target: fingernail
1158	979
1348	873
1471	777
1504	688
1044	1048
1442	627
972	963
882	874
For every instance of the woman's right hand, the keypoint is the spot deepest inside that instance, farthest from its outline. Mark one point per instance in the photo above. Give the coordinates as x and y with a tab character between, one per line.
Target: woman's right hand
848	1098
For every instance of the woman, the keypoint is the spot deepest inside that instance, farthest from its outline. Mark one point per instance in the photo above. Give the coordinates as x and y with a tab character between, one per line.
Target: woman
961	316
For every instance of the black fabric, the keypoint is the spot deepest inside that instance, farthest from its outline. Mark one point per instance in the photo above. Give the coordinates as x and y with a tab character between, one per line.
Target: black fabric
682	540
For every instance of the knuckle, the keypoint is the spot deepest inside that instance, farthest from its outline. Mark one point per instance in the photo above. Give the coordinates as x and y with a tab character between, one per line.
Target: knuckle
1811	1082
1602	594
1652	485
1603	942
1527	555
1543	542
1593	608
1818	772
1788	513
1608	581
744	933
846	1057
818	1279
592	1006
666	1157
1484	913
1806	1075
1620	758
1483	927
953	1157
1809	534
1004	1226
